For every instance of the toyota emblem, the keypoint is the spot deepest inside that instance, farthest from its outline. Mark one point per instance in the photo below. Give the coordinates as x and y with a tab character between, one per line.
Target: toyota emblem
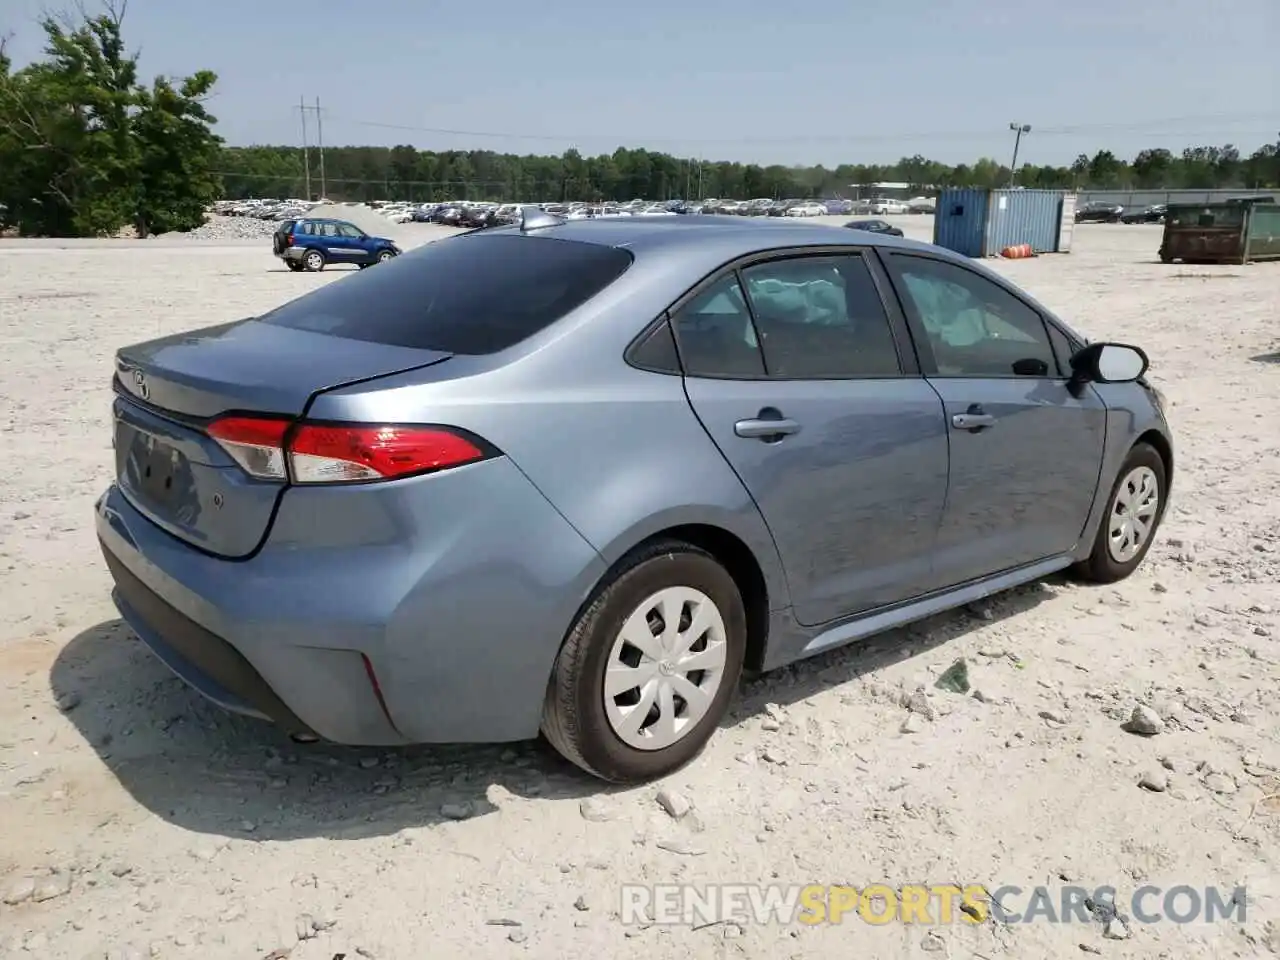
140	381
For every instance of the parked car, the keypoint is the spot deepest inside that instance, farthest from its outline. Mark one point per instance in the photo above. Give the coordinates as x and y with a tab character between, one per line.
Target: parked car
434	502
922	205
809	208
885	207
1099	211
1152	214
448	215
874	226
313	244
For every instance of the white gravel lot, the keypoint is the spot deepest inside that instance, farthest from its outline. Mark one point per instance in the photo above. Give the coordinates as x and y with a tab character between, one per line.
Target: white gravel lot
148	823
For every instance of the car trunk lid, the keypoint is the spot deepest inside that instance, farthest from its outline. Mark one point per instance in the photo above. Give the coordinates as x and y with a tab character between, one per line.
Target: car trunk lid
170	390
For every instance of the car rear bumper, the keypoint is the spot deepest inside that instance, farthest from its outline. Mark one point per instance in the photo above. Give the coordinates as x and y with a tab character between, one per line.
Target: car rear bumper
292	253
429	610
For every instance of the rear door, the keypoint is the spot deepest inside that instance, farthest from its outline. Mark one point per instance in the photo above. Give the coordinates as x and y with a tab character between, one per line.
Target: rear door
1026	452
806	383
280	239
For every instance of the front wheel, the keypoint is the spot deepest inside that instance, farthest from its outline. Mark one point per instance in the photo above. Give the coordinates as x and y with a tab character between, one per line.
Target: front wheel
1134	511
648	668
293	265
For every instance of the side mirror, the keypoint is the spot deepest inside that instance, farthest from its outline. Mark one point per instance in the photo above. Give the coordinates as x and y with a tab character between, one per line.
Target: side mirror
1109	363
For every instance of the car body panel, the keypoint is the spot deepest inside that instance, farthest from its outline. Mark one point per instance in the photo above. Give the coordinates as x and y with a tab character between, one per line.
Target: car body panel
825	491
1004	509
169	389
403	573
455	590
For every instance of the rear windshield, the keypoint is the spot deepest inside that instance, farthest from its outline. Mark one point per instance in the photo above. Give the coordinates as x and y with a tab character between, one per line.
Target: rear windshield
472	294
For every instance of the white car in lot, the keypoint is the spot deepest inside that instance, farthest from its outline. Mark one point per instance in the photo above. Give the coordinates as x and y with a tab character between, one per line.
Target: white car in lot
884	207
812	209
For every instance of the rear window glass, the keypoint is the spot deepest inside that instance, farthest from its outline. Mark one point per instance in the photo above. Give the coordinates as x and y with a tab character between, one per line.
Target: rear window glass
472	294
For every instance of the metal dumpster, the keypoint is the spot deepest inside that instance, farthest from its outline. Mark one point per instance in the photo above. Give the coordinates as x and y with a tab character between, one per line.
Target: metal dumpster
1235	231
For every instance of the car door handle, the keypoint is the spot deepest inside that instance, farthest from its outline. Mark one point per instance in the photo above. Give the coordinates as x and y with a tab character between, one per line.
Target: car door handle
972	421
762	429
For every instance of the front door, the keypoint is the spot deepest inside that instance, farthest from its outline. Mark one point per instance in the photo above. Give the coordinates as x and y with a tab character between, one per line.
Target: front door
356	242
337	248
793	367
1025	452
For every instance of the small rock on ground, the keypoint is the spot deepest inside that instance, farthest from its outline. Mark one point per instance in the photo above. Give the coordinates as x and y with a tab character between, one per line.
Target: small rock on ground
1154	780
1144	721
674	802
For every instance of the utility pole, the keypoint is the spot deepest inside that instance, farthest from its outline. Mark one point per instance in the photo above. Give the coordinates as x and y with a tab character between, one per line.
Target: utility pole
1018	130
324	190
306	152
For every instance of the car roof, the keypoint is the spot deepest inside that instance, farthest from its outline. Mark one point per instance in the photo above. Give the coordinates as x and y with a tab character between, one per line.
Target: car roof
728	237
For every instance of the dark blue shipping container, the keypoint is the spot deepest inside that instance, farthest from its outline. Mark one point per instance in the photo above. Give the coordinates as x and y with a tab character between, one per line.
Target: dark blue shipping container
960	221
975	222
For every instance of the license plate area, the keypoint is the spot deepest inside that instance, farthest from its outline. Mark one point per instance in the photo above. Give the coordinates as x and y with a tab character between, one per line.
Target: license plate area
154	468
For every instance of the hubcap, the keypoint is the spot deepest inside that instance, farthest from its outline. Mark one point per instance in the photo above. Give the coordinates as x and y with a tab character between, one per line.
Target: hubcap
665	668
1133	514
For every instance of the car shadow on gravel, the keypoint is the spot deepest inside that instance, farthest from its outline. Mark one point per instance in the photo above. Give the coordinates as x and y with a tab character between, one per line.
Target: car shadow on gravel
198	767
1267	357
194	765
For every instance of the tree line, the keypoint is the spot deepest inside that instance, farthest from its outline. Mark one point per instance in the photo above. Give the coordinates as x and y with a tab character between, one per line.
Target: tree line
87	149
406	173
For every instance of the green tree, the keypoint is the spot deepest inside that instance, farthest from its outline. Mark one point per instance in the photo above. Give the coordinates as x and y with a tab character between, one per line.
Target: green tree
86	150
178	153
1151	168
1105	169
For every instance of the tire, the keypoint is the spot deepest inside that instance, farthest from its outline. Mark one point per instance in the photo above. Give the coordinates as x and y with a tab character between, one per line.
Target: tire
576	718
293	265
313	261
1105	564
386	255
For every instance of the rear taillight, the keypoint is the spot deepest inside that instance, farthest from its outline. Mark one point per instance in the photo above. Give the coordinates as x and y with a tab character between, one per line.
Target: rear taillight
275	449
256	443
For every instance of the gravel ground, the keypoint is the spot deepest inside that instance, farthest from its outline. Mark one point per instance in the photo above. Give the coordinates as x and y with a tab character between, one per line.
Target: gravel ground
140	820
225	228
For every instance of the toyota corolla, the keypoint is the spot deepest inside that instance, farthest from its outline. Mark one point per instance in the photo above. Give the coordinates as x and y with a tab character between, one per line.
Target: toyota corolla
575	477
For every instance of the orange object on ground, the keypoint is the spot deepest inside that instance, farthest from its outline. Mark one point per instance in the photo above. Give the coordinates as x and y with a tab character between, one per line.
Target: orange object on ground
1017	251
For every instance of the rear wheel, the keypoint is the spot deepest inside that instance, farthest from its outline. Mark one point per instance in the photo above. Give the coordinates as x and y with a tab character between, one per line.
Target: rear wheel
1134	511
647	670
293	265
313	261
385	255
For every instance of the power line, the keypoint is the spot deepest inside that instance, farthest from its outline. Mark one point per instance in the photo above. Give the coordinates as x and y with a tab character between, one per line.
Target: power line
1137	126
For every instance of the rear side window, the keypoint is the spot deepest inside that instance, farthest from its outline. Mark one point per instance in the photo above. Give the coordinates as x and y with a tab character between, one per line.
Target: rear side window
473	294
